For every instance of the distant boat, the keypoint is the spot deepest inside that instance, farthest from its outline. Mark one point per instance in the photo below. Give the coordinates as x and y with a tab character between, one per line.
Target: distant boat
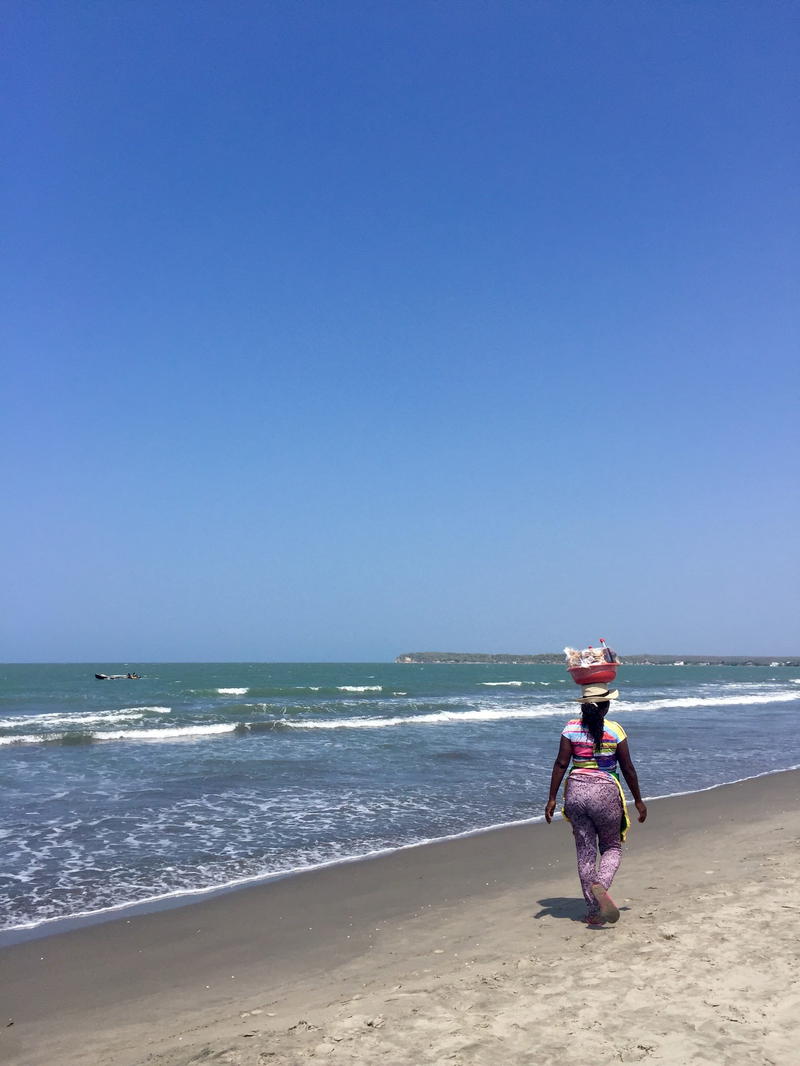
118	677
679	662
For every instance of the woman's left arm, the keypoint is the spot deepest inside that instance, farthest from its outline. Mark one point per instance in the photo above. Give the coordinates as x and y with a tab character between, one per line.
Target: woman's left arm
630	775
559	769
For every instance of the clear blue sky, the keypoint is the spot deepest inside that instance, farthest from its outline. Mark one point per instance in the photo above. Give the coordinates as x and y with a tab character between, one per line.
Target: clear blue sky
338	330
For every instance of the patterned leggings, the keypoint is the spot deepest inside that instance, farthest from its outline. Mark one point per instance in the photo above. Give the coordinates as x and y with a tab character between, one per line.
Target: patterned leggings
594	808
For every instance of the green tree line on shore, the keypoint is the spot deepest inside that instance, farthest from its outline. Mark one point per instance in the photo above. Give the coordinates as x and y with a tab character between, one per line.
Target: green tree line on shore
557	658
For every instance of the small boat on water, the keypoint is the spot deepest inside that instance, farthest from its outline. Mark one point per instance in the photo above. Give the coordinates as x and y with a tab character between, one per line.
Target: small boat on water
118	677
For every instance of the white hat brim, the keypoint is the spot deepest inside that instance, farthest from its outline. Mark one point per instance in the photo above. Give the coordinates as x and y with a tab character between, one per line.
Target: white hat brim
612	695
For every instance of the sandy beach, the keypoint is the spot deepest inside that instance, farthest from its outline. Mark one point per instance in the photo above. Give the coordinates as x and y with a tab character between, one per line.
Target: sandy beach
466	951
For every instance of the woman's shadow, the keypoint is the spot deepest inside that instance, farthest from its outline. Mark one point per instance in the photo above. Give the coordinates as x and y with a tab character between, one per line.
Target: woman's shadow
569	907
561	907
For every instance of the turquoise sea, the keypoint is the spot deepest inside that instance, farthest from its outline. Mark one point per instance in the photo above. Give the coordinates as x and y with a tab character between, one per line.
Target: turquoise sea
201	777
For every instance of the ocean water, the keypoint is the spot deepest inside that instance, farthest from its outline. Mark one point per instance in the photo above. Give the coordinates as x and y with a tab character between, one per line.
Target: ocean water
200	777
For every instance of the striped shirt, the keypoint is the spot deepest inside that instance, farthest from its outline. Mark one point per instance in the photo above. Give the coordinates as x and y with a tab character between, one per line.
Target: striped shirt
584	758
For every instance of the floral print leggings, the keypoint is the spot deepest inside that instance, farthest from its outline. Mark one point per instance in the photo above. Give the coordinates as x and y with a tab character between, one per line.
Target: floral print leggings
594	808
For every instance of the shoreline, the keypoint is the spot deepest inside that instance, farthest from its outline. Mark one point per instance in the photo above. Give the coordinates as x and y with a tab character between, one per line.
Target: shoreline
433	658
243	970
191	897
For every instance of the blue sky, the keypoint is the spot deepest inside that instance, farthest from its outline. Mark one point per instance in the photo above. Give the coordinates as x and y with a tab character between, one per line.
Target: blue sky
338	330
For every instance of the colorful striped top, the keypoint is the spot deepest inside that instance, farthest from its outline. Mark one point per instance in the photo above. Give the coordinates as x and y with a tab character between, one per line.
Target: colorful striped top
584	758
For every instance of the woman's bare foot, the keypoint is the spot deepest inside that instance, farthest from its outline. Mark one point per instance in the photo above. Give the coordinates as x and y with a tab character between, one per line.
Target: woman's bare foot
608	908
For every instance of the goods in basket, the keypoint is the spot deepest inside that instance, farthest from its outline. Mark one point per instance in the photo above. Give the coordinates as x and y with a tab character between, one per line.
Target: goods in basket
586	657
590	665
609	654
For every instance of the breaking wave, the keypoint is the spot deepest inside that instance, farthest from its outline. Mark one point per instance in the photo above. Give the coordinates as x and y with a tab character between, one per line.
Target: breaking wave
77	733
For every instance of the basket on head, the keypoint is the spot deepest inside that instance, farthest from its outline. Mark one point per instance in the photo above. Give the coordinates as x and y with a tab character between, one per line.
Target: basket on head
591	675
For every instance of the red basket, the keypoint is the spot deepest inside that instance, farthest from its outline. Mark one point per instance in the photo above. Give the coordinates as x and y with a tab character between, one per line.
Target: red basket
591	675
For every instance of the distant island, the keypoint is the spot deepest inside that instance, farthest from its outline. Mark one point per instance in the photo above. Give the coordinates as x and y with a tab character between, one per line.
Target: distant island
557	659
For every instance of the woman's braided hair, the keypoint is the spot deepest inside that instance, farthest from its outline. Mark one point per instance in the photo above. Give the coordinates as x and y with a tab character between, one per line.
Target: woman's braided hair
592	715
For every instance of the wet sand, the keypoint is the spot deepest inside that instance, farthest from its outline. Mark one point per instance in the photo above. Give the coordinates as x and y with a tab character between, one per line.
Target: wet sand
464	952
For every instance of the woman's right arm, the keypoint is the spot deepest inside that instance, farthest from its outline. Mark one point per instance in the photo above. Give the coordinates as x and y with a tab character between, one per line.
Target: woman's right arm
630	775
559	769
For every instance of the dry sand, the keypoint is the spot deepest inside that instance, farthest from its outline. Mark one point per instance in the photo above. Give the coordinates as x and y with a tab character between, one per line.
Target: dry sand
466	952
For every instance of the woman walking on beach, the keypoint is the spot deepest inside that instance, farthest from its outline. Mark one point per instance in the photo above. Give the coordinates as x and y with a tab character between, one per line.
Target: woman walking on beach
594	802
